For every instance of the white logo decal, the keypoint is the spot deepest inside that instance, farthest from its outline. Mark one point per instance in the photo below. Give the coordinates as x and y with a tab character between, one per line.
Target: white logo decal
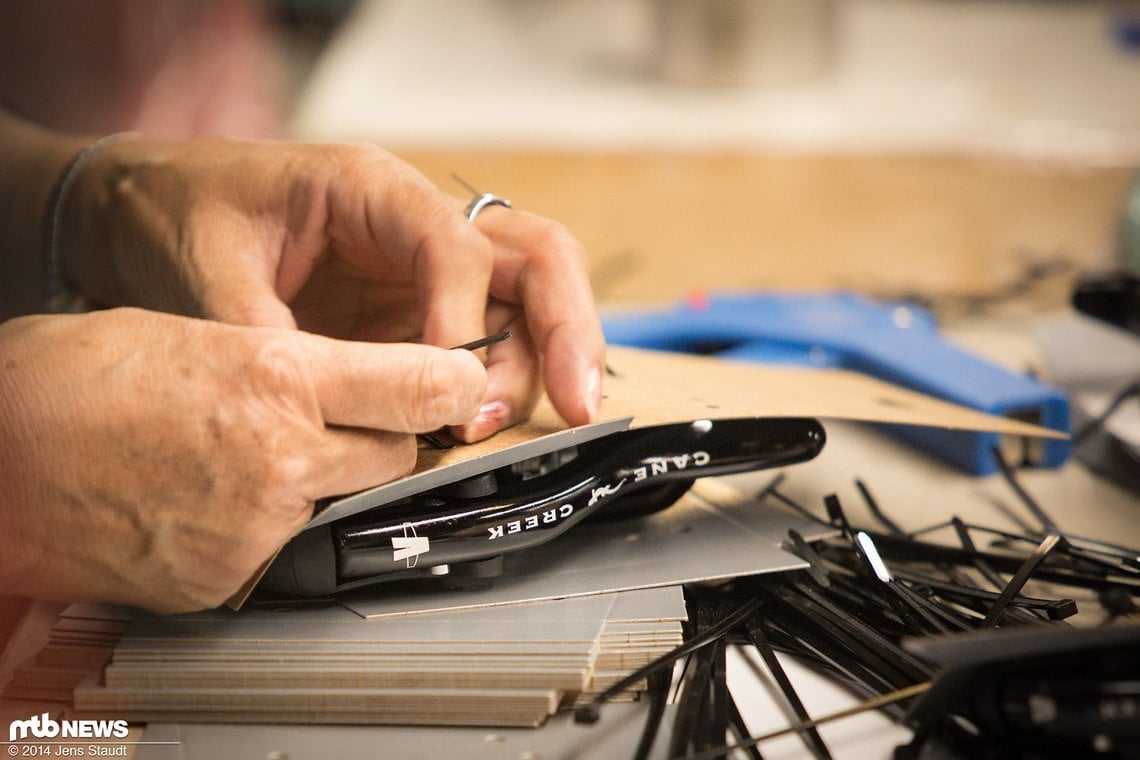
409	547
530	522
603	491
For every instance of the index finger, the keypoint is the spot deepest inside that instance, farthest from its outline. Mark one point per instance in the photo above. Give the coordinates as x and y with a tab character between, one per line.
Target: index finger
542	267
384	213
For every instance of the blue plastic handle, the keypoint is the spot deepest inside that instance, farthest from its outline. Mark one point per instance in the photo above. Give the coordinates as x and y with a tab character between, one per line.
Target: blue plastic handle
896	342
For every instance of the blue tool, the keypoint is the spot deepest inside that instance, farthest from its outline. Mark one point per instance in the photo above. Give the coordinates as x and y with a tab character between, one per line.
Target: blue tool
896	342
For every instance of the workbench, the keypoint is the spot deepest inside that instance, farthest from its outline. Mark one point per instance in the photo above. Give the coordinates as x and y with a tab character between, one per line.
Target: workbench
658	224
662	224
912	488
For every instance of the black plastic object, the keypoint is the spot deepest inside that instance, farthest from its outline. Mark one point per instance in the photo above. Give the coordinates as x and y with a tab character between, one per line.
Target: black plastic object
459	531
1112	297
1034	692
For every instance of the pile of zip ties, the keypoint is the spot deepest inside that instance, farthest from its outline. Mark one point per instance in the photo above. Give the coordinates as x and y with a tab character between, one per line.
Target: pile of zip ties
866	595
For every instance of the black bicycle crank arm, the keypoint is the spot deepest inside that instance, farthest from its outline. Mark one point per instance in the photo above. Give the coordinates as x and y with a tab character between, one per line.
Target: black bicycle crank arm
515	509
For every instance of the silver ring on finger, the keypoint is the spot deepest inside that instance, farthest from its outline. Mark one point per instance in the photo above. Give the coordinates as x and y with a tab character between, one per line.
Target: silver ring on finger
482	201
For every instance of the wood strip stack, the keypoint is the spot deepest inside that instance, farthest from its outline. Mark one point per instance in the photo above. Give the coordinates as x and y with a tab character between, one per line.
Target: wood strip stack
81	642
512	665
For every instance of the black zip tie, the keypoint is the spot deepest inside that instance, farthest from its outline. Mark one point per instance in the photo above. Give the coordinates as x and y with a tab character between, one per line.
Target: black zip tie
489	340
967	542
875	703
1021	577
691	724
1055	609
874	568
858	677
876	510
930	617
789	503
1098	422
916	534
1030	503
859	642
1128	558
1102	555
692	729
589	713
740	732
836	516
866	636
711	697
903	549
772	485
802	549
810	737
658	690
937	619
956	573
716	724
1080	548
856	598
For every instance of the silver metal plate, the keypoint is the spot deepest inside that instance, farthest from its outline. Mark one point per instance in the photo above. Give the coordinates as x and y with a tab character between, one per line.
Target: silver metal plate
442	475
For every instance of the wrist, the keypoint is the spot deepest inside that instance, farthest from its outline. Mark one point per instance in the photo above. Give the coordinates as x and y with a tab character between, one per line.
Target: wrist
31	159
73	279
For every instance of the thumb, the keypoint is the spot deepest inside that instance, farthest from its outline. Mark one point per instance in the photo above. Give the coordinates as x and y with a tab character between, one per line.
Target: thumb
398	387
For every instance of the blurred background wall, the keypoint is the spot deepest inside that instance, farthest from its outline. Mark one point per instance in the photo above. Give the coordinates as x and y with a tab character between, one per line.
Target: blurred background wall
832	74
957	148
962	150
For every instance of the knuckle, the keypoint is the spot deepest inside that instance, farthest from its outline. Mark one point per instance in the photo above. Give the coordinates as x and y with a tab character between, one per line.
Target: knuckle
283	475
472	253
434	396
555	242
276	366
443	390
400	456
357	156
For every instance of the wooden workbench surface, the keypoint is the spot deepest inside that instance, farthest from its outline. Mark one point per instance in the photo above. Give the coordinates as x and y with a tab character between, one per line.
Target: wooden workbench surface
660	224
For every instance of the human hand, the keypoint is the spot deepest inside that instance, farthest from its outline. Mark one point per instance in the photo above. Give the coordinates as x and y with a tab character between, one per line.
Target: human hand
158	461
346	241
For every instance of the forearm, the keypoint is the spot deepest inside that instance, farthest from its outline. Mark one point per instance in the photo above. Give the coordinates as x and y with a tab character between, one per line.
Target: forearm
31	160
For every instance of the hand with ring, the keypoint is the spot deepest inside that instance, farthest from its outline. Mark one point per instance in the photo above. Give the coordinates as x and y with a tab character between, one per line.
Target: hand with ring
345	241
158	460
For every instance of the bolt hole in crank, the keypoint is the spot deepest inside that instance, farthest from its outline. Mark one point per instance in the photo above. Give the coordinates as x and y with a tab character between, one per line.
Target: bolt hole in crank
459	532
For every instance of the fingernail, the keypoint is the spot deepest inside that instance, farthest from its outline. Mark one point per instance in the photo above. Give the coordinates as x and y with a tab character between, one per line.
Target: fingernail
593	398
492	417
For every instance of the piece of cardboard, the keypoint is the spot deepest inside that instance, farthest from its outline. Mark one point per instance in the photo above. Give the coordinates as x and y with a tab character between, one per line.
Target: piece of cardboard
654	387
